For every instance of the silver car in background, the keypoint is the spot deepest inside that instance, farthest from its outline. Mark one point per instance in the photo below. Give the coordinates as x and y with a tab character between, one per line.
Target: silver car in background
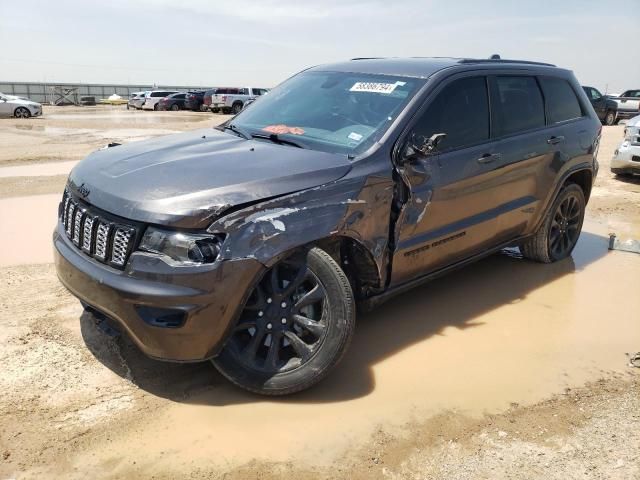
12	106
137	101
133	97
626	158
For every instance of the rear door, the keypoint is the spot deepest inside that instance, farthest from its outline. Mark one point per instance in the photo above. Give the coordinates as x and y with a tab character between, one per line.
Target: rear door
518	125
452	207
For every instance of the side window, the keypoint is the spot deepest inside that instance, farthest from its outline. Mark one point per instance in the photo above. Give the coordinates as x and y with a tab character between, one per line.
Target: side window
516	105
461	110
634	93
562	103
595	94
180	96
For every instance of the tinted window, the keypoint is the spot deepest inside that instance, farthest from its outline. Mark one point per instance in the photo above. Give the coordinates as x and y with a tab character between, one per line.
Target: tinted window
562	103
633	93
179	96
517	105
461	110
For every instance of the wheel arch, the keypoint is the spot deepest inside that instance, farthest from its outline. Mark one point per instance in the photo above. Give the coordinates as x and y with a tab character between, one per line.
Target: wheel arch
584	179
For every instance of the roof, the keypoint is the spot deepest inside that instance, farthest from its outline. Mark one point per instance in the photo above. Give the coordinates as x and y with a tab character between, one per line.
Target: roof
418	67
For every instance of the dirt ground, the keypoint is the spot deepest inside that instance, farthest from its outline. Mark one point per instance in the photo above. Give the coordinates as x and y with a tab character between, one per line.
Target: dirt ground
505	369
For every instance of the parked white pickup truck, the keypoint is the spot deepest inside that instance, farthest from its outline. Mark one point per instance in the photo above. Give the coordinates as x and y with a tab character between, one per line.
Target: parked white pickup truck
628	104
232	100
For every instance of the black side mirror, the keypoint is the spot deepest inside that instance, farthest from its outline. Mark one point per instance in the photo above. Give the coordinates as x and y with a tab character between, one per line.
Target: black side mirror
421	146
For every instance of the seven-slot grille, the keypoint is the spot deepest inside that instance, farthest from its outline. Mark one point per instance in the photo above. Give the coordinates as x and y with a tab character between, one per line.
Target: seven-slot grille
108	241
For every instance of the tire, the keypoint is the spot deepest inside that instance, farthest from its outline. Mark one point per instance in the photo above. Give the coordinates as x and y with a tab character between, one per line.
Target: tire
22	112
236	108
155	107
610	118
559	232
175	107
316	305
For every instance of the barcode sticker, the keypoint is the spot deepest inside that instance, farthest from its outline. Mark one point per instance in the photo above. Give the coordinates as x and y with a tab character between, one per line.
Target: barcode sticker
375	87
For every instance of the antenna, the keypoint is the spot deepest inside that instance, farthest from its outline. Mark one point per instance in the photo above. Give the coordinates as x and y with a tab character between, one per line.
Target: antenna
495	56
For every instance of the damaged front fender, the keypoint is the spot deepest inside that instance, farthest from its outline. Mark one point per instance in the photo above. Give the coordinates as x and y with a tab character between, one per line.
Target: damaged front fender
356	208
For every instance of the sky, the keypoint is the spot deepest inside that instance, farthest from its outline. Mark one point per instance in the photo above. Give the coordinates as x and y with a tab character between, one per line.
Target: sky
262	42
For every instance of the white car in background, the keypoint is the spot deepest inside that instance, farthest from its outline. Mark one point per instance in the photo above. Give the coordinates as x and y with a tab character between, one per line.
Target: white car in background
12	106
626	158
152	98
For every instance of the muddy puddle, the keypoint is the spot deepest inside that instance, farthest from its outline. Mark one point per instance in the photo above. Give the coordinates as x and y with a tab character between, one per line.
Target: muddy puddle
501	331
40	169
25	229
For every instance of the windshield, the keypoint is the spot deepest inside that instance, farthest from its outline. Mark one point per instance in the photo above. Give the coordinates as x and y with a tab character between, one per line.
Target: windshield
330	111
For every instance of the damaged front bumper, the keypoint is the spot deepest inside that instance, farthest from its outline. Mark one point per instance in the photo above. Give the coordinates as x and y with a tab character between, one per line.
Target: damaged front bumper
171	313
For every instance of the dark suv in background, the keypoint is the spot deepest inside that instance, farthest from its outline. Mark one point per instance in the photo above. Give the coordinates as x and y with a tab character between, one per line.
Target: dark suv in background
605	108
193	100
251	244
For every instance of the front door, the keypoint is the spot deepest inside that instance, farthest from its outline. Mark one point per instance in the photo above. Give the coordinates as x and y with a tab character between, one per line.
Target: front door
452	209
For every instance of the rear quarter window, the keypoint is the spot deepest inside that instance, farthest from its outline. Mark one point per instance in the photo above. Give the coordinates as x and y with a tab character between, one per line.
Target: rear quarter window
561	100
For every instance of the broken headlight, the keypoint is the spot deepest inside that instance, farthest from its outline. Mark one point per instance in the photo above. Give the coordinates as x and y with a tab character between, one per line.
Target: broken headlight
181	247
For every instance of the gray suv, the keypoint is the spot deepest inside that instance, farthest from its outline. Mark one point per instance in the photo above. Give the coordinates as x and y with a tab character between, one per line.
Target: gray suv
252	243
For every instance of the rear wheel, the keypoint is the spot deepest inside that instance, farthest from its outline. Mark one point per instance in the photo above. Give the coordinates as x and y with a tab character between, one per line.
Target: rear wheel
237	108
294	328
610	118
175	107
559	232
22	112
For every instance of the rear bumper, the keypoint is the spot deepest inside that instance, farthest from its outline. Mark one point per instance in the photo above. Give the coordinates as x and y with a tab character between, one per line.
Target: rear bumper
202	301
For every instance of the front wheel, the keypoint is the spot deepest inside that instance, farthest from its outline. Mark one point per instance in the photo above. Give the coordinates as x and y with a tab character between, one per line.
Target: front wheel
557	236
610	118
175	107
22	112
294	328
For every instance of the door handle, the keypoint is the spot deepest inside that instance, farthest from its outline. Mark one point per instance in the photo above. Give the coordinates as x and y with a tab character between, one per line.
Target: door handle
555	140
489	157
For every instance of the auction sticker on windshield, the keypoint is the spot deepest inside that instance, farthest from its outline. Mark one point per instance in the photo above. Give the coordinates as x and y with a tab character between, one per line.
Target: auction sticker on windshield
375	87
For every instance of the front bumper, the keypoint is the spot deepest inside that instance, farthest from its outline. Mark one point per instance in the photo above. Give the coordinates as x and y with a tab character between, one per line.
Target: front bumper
626	158
207	298
627	114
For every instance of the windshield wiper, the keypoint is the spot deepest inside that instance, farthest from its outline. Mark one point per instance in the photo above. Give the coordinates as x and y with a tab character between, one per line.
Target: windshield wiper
237	130
276	139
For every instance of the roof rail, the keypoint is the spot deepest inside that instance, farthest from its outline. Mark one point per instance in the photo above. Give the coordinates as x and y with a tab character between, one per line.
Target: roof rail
367	58
496	60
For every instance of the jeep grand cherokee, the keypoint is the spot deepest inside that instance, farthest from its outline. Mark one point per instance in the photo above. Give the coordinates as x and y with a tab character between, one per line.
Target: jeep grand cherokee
251	244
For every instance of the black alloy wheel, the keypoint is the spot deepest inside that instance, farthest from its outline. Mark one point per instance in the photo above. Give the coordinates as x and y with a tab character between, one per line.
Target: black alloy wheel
565	227
294	327
560	229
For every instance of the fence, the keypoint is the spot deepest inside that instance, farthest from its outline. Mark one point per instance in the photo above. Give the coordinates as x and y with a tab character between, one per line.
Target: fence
44	92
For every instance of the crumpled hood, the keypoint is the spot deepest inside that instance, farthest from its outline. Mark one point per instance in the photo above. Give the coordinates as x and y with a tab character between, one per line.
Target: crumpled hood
189	179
